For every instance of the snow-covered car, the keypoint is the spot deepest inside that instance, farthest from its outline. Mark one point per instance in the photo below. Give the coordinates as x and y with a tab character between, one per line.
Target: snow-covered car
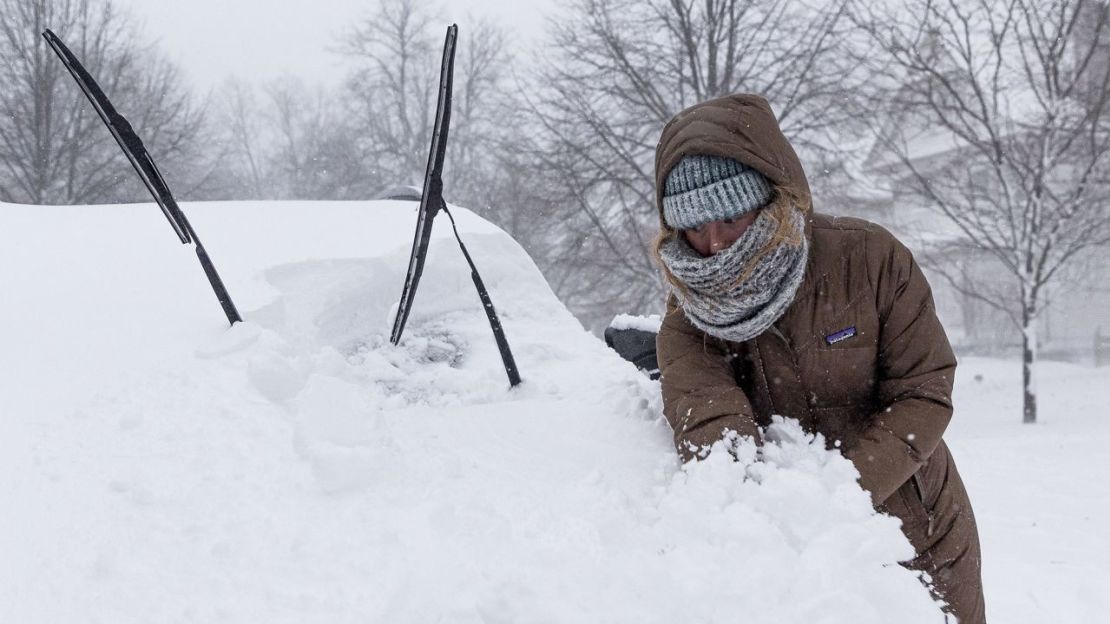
299	467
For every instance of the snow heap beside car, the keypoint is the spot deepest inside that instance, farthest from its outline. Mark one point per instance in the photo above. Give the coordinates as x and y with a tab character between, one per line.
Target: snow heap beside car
299	468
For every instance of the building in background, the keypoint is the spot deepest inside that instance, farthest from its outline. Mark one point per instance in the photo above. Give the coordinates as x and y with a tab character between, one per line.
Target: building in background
1079	306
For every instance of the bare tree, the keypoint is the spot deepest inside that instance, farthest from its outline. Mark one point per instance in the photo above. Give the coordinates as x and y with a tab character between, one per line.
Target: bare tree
288	140
243	134
392	94
618	70
53	148
392	88
314	152
1015	93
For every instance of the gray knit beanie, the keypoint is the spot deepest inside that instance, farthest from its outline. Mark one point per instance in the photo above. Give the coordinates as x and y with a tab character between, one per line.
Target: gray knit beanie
700	189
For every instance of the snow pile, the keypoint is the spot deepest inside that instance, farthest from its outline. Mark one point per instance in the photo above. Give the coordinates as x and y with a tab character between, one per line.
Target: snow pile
299	468
649	323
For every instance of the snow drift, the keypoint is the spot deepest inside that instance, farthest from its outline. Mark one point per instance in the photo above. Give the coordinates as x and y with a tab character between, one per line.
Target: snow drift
299	468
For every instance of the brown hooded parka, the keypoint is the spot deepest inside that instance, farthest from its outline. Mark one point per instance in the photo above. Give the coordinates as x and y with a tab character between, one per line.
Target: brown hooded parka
882	394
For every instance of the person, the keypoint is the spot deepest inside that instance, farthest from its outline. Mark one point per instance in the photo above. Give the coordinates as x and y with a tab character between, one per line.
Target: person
777	309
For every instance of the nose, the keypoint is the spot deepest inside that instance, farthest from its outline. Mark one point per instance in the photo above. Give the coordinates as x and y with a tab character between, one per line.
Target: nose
718	238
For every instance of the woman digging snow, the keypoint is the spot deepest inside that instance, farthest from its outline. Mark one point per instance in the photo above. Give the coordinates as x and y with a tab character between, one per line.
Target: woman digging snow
777	309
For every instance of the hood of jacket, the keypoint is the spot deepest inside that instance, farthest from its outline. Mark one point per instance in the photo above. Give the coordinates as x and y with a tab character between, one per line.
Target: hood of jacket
741	126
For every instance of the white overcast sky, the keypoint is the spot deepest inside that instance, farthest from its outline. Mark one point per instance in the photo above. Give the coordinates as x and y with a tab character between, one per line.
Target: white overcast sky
261	39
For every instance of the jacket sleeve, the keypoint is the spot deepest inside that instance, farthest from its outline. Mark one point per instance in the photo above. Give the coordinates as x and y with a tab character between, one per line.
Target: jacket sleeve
916	369
701	398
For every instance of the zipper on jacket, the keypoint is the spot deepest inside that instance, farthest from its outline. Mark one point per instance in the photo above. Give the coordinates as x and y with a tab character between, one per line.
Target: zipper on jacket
808	398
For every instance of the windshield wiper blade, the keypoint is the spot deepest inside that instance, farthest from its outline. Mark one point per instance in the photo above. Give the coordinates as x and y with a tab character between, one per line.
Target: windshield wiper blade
143	164
431	203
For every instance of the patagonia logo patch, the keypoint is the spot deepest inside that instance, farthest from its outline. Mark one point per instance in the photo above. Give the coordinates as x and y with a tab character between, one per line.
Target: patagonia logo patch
843	334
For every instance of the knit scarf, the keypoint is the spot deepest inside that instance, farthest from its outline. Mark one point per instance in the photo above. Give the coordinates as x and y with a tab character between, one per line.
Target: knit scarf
717	301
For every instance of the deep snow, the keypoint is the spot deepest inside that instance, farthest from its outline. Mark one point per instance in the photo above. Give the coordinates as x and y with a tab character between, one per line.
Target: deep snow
298	468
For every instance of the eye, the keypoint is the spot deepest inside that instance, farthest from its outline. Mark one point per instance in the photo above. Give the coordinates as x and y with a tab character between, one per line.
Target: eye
728	221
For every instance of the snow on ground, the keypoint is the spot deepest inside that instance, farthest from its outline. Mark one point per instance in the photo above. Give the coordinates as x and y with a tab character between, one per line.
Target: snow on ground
158	466
1041	493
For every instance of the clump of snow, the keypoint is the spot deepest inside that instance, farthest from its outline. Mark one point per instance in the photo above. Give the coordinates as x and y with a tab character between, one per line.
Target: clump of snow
298	467
649	323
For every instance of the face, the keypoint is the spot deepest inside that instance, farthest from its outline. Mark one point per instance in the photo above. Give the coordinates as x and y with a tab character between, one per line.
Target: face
717	235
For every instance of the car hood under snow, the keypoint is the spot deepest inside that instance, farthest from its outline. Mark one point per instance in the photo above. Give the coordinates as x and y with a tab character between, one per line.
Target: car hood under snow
299	468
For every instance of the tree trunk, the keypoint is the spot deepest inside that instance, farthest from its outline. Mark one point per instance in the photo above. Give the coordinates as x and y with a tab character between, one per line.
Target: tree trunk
1028	357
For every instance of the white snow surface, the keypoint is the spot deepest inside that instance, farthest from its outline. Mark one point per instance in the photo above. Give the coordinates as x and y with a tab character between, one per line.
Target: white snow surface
649	323
160	467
